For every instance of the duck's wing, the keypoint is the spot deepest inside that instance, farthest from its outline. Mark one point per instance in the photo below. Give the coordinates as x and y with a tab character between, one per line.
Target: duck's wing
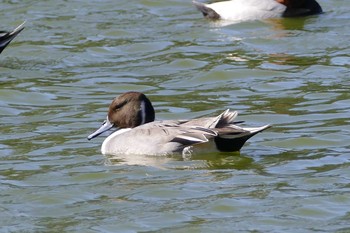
156	138
175	131
224	119
230	136
7	37
222	129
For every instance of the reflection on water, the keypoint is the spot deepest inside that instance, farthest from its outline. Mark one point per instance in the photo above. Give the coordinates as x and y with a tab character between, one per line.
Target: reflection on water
288	24
280	25
58	78
197	161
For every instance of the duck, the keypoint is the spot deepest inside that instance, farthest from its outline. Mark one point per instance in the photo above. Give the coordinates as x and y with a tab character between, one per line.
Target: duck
248	10
132	116
7	36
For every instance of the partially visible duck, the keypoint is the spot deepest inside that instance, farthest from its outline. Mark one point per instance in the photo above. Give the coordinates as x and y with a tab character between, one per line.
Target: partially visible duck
6	37
243	10
132	115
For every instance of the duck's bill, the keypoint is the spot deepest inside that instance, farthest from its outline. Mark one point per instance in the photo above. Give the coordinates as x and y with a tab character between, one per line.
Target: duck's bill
107	125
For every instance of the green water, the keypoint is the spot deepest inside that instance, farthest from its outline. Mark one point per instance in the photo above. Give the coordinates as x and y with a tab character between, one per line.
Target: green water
59	75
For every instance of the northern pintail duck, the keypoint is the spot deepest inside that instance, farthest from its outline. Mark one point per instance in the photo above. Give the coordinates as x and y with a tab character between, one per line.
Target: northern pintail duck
6	37
132	115
243	10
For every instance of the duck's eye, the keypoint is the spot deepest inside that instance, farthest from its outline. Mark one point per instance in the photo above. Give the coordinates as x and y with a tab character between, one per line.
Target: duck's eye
119	105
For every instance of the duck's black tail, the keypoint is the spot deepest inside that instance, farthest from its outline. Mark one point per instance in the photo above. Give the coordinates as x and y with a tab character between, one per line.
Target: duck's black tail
206	11
7	37
233	140
303	8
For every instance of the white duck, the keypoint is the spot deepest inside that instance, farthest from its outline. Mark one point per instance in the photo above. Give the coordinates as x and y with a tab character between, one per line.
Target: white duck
244	10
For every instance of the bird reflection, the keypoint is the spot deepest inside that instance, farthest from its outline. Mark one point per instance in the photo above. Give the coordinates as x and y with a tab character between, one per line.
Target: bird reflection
198	161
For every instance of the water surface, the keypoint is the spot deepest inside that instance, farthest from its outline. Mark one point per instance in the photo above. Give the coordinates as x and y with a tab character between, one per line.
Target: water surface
60	74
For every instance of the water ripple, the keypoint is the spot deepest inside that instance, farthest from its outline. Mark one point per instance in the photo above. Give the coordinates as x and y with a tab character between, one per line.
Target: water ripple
59	75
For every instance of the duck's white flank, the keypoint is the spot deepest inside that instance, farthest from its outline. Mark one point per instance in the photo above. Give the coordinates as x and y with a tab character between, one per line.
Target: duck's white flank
143	112
245	10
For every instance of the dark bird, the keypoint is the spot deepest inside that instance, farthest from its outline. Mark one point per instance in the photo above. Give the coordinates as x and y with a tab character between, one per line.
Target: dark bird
6	37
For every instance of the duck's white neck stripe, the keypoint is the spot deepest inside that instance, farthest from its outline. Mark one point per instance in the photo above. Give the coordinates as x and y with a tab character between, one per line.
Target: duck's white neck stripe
143	112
